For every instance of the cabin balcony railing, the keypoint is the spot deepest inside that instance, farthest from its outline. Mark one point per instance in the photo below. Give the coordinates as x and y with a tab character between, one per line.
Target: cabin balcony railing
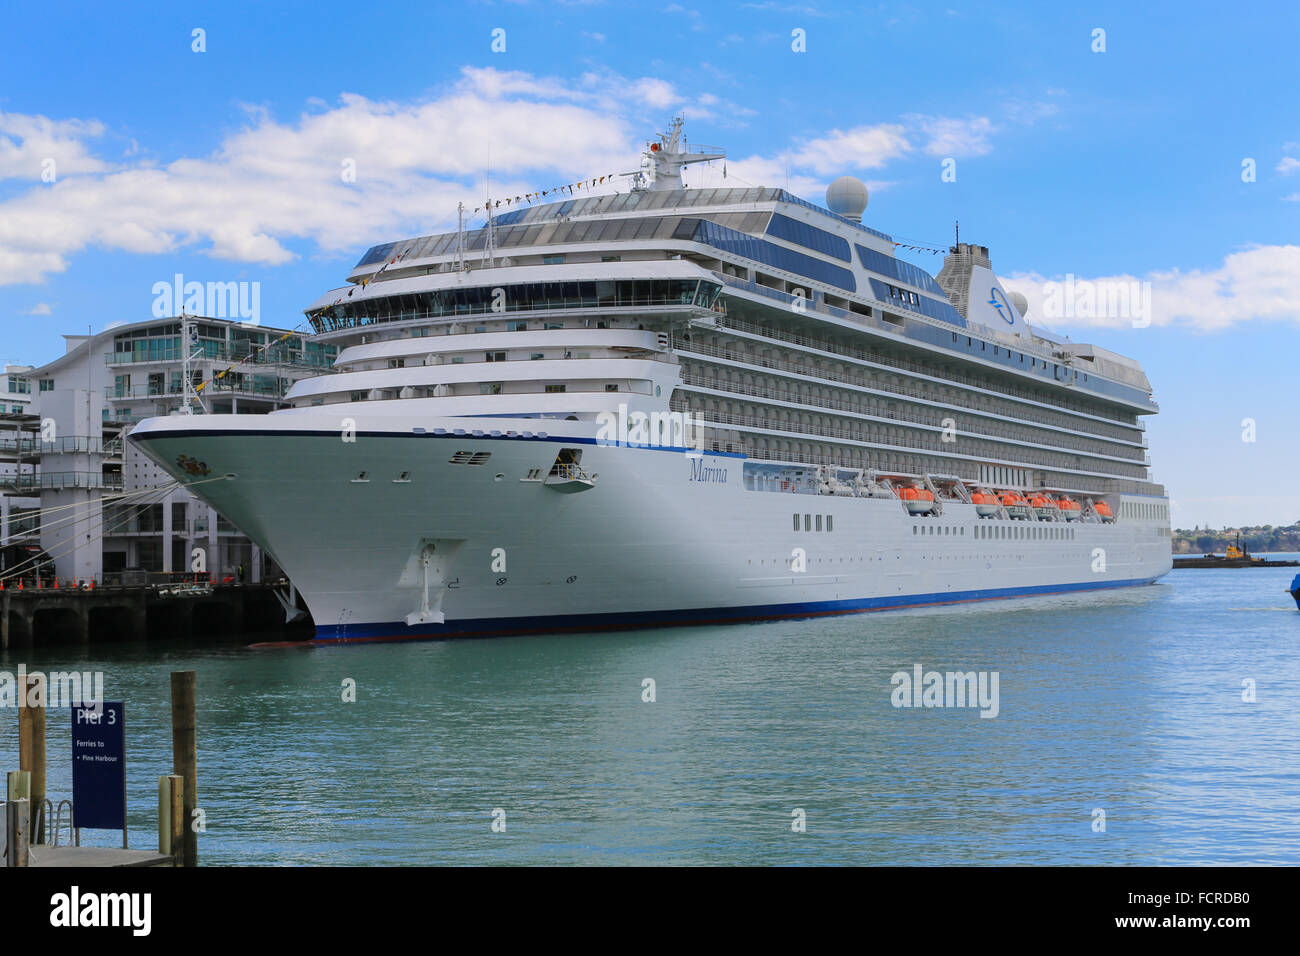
935	420
878	385
888	360
803	432
581	306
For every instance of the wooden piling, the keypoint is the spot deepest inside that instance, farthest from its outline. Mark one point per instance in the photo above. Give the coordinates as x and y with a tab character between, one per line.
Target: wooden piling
4	623
17	815
171	817
19	785
185	758
31	751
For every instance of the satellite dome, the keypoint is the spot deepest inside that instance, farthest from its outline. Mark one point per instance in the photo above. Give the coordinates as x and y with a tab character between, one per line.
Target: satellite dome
847	197
1021	303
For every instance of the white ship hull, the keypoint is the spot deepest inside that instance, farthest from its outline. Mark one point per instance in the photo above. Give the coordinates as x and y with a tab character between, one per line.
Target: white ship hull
662	537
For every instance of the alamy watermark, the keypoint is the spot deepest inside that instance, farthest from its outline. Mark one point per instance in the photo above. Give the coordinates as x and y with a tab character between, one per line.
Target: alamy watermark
57	689
1098	299
213	300
650	429
922	688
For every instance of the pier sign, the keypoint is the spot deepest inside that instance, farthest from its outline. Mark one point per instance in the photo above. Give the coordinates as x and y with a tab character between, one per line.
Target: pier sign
99	766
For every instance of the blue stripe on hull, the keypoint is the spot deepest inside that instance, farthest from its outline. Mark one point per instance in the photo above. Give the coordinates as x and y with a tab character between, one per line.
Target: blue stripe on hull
398	631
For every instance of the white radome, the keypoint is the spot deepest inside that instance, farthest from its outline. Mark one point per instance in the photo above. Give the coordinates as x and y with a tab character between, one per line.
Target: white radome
847	197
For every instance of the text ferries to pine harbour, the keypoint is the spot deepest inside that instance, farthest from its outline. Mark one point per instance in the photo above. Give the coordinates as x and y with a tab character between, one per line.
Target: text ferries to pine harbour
678	405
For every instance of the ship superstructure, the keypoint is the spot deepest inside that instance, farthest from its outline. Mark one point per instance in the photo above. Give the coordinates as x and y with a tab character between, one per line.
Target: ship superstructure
673	404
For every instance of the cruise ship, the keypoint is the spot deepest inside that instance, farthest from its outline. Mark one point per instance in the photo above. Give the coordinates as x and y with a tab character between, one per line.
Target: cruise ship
680	406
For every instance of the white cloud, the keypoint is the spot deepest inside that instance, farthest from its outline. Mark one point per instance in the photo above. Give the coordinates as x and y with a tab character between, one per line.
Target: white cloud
1288	165
655	93
1261	283
948	136
863	147
275	189
273	182
40	308
28	142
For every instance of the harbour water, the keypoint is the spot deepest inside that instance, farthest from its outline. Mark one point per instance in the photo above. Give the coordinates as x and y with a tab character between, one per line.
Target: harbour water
1129	702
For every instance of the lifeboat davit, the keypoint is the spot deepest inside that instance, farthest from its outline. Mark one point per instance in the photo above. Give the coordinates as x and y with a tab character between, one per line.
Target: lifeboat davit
1015	504
918	501
986	505
1070	509
1103	511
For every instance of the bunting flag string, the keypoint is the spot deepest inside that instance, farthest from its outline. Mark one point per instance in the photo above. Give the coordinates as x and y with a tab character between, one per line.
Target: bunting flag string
929	249
567	189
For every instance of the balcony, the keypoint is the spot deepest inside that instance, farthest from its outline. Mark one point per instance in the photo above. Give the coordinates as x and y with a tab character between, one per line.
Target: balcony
61	480
270	356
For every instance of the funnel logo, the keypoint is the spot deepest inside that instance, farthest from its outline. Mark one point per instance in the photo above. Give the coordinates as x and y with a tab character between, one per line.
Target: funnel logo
999	302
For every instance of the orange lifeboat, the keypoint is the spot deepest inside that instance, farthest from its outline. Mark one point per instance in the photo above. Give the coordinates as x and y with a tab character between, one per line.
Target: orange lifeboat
1043	505
1069	509
1103	510
986	505
1015	504
918	501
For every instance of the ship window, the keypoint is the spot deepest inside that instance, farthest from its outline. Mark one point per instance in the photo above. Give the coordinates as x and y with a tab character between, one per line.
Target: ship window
516	326
494	356
807	522
611	386
796	522
830	522
552	260
489	388
537	355
556	388
819	522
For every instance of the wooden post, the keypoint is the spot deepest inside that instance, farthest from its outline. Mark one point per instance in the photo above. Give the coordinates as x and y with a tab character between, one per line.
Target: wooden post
4	623
171	817
185	758
31	751
19	785
16	829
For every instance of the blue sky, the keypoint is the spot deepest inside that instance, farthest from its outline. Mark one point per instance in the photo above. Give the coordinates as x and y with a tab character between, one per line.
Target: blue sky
224	165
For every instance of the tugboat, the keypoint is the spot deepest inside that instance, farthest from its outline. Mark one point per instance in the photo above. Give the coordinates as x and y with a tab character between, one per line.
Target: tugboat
1236	557
1294	590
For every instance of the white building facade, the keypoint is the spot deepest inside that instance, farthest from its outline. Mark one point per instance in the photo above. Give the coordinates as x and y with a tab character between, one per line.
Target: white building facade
65	447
